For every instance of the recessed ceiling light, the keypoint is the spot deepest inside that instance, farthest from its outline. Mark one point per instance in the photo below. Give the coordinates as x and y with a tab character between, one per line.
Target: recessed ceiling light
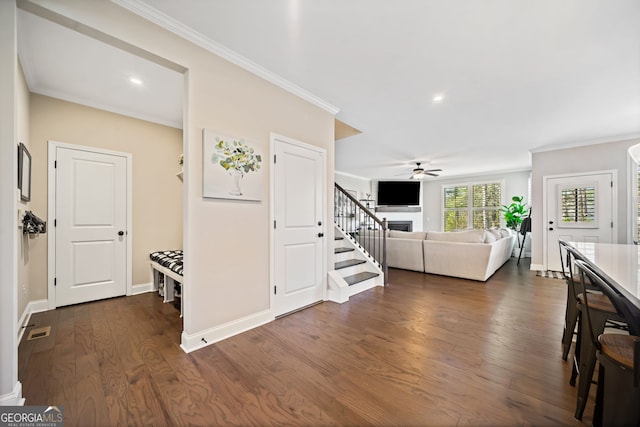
135	81
438	97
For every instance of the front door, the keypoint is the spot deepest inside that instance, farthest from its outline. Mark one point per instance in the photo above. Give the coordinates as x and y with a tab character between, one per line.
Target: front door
299	207
91	225
579	209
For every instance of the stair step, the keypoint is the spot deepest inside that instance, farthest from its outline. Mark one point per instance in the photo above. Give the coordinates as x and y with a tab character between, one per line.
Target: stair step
360	277
348	263
341	250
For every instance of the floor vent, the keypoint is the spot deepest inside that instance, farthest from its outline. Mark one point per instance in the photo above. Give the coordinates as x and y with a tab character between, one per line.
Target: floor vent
34	334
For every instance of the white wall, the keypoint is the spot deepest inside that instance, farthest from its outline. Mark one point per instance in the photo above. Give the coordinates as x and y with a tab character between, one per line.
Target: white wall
24	240
10	387
597	157
515	184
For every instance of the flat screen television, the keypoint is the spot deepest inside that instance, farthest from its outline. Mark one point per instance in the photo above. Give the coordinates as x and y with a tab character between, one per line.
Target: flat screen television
398	193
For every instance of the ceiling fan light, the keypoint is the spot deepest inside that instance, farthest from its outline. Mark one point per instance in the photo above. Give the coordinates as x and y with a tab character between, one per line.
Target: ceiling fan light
419	172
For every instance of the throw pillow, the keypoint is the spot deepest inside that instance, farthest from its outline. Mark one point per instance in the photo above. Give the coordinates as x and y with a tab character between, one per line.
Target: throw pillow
489	237
496	233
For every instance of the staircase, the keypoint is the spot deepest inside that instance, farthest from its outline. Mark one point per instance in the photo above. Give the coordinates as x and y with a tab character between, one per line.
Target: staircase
355	269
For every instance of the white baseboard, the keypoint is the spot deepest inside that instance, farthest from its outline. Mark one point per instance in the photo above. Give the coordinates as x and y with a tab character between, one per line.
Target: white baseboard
33	307
191	342
14	398
338	288
537	267
142	288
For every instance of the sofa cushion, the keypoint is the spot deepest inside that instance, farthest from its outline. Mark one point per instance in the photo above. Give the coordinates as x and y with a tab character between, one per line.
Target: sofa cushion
489	237
416	235
505	232
469	236
495	232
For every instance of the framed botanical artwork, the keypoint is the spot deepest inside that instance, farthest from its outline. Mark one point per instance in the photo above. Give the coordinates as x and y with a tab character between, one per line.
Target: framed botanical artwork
231	167
24	173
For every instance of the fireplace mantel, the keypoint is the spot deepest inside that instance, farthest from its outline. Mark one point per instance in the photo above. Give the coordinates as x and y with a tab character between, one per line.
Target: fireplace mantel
398	209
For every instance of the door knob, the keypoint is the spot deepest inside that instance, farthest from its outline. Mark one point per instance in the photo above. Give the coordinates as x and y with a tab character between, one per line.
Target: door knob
550	228
120	233
550	222
319	223
320	235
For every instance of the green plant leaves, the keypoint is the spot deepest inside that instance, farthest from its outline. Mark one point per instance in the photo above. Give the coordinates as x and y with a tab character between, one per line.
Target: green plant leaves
236	156
514	213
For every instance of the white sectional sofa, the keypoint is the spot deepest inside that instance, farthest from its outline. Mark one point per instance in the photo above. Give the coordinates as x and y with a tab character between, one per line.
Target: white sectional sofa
404	249
469	254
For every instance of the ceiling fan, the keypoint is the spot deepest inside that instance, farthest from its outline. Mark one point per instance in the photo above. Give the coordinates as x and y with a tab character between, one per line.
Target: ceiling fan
419	172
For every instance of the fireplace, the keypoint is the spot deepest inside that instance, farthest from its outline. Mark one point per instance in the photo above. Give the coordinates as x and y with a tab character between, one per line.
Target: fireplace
400	225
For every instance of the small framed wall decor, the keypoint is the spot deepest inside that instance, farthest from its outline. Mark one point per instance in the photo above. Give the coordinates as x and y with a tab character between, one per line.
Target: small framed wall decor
24	173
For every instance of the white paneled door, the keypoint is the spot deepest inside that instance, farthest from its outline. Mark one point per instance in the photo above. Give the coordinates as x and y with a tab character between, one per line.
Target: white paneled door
579	209
299	206
91	226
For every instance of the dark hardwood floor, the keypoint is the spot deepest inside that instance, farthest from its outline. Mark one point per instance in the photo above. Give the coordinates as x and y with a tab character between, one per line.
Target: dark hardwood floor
426	350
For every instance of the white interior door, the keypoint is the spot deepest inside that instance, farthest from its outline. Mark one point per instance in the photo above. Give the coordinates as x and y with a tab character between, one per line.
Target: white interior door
579	209
299	206
91	219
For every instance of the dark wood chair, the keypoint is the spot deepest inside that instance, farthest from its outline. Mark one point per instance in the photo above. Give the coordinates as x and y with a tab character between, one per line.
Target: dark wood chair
596	311
618	394
571	310
572	314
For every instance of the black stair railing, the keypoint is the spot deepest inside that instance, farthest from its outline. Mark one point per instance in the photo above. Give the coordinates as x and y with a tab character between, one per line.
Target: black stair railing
366	229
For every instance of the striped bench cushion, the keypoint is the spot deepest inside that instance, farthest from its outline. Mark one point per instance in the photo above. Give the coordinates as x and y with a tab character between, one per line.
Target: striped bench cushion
169	259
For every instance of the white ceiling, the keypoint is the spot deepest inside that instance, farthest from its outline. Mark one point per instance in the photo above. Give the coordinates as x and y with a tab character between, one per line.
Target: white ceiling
517	75
65	64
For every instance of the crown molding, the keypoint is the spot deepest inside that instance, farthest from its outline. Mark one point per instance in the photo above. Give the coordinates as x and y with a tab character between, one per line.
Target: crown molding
577	144
350	175
149	13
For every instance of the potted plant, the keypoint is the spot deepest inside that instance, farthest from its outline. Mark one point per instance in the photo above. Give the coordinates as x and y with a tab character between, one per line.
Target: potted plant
514	213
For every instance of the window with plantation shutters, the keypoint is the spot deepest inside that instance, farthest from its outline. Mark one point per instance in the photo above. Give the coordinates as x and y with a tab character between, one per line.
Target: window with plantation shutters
456	207
472	206
578	206
487	199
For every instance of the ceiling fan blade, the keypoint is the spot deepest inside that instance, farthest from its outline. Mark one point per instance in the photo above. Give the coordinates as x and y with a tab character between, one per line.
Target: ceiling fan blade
419	172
